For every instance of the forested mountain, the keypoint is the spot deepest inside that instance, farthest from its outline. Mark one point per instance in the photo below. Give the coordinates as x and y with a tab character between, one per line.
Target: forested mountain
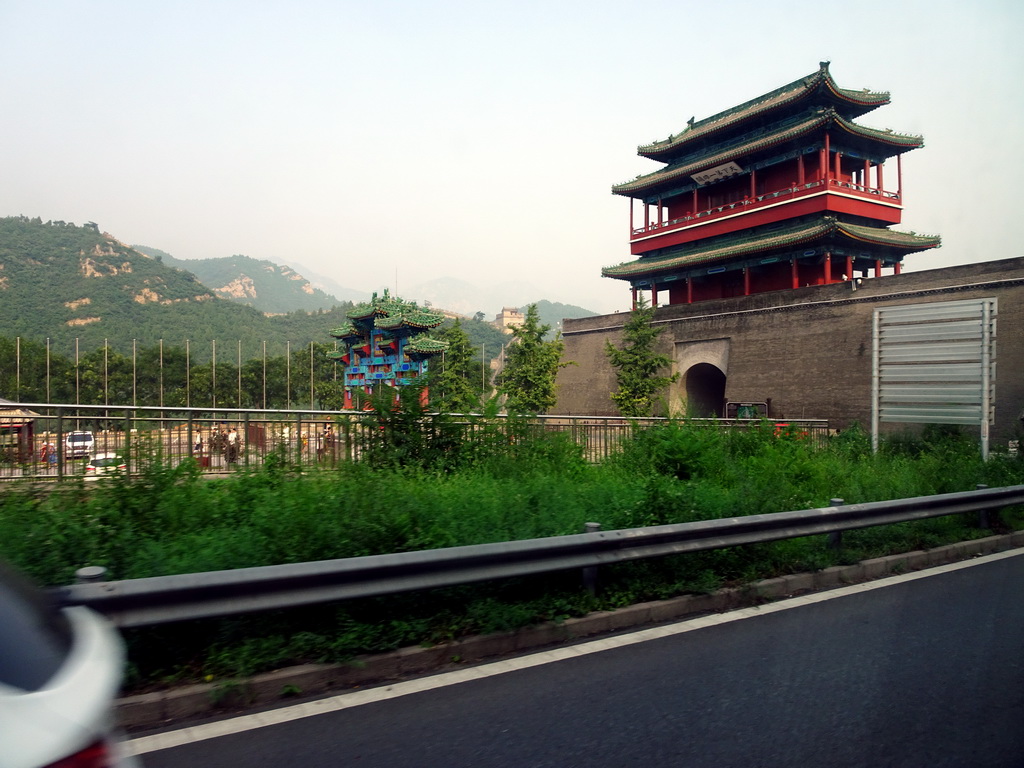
64	282
552	313
262	284
61	282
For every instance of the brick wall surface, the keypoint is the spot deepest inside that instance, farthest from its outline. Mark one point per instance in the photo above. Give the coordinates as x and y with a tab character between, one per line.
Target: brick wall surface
807	350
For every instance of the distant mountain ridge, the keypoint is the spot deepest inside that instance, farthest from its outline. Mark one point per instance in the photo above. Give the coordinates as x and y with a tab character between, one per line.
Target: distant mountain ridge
77	286
269	287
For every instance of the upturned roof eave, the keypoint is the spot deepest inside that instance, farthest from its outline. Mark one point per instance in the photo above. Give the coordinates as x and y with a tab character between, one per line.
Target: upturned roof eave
646	182
736	248
649	182
786	95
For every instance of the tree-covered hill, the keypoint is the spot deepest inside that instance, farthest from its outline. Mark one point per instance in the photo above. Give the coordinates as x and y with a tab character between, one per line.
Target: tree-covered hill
63	282
552	313
262	284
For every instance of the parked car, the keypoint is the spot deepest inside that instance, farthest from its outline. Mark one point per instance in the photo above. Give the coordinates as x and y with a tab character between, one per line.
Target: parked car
60	671
104	464
78	445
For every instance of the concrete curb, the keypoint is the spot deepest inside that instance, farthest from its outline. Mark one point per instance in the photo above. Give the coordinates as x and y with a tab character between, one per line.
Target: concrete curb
150	710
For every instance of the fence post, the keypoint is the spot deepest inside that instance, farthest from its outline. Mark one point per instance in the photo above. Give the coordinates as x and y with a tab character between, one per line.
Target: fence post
245	438
190	439
298	439
835	539
983	519
590	572
128	442
60	444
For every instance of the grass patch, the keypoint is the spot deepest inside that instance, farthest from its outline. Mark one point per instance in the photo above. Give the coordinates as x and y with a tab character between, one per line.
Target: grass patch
419	492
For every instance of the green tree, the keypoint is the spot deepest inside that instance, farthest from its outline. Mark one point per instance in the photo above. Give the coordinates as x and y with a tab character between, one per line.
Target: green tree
531	365
637	365
456	377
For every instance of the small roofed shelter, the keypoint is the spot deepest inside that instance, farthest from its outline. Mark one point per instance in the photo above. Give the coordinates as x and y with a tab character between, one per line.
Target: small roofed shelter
385	343
777	193
17	433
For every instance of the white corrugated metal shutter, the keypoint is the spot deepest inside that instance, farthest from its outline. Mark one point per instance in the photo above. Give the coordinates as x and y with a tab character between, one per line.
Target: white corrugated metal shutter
935	363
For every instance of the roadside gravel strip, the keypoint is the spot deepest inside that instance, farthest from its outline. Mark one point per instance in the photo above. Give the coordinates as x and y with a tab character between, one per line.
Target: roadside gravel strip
273	691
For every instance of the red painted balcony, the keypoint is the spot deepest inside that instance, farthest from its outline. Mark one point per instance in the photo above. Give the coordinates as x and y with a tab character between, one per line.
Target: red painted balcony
817	196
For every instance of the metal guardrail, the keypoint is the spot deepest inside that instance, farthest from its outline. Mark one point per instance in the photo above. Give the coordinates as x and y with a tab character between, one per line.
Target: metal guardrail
162	599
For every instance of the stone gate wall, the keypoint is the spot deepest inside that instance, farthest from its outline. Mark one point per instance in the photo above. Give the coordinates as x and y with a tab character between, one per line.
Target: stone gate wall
807	351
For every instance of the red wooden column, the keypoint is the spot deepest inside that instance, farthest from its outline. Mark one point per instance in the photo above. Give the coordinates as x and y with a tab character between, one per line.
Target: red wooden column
689	290
633	292
800	169
849	267
881	186
826	162
795	272
746	281
878	267
899	180
896	267
654	294
828	267
866	181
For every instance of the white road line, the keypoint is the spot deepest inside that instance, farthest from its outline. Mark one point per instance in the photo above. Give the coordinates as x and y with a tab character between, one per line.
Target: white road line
189	735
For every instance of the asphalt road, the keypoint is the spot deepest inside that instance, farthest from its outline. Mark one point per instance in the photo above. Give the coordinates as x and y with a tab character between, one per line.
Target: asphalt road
923	671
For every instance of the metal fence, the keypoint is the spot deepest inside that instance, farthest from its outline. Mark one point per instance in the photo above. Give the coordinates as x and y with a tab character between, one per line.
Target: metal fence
58	441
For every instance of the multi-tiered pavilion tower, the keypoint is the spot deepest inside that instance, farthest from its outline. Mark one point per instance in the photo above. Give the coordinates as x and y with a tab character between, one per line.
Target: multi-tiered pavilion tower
781	192
384	344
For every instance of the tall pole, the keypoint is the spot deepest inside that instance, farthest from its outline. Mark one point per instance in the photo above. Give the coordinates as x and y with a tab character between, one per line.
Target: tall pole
483	375
188	376
106	373
288	377
213	373
47	369
311	375
17	366
161	373
239	373
264	374
135	373
78	386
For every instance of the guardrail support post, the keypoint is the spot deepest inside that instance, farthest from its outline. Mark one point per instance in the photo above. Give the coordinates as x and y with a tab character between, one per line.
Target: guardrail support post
983	519
835	539
90	573
590	573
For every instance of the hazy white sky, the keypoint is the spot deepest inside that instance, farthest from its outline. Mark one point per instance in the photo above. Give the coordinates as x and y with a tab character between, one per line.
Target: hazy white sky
464	138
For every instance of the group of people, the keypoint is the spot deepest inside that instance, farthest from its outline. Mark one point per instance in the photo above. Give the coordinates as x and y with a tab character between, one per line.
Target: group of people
225	441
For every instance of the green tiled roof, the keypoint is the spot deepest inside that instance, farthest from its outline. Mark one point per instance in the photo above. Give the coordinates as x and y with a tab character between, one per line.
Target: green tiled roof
348	329
737	247
900	142
818	82
425	346
390	313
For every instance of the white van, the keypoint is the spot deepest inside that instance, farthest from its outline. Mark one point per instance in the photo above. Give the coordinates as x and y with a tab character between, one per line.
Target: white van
78	445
